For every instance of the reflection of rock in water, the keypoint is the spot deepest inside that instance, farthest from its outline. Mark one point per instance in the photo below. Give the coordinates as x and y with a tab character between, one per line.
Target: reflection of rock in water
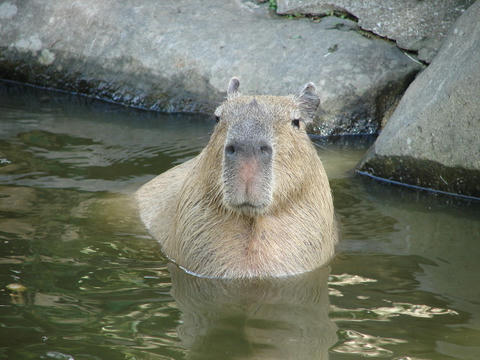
284	318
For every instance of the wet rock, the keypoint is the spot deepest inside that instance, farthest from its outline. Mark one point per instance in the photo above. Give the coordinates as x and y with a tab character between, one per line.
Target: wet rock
176	55
415	25
433	137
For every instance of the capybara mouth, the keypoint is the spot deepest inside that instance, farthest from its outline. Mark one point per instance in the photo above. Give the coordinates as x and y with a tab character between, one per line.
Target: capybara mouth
250	196
247	208
246	199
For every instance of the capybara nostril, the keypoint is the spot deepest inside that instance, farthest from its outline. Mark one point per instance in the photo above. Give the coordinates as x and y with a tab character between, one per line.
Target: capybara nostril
230	150
247	148
266	150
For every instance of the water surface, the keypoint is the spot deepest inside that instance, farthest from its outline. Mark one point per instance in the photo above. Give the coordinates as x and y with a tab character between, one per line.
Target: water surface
81	279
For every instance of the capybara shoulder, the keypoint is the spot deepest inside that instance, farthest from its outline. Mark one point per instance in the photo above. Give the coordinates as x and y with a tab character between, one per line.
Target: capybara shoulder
255	202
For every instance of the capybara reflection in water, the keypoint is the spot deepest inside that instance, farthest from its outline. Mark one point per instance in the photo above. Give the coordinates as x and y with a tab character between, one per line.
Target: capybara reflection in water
255	202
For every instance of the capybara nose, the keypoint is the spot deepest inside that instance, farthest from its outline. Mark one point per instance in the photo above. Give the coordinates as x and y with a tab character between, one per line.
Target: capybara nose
259	149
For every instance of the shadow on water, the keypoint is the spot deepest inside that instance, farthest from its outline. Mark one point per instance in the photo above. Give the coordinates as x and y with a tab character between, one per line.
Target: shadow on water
81	279
255	319
64	141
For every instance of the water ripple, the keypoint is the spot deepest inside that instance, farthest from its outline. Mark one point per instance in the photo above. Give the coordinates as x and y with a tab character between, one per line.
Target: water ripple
356	343
347	279
385	313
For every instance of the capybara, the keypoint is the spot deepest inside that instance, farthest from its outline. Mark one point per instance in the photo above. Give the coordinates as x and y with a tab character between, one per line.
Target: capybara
255	202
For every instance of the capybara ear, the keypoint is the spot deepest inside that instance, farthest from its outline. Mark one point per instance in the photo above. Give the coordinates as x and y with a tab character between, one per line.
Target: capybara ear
308	101
233	86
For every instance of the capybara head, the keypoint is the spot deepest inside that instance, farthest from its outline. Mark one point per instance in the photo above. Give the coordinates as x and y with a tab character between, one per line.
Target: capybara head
262	149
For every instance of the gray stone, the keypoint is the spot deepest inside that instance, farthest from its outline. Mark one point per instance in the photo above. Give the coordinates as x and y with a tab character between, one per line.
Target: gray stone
415	25
433	137
178	55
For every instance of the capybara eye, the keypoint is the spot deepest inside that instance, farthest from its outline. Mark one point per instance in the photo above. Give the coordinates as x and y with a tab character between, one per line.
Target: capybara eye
296	123
217	119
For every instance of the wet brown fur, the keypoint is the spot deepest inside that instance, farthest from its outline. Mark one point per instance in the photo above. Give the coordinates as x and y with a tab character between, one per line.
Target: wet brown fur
184	210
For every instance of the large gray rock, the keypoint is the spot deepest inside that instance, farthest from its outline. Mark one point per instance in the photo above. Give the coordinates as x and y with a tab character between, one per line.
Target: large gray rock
415	25
433	137
178	55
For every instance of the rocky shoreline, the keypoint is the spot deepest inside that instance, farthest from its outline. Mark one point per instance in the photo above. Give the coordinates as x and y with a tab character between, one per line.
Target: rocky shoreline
432	139
177	56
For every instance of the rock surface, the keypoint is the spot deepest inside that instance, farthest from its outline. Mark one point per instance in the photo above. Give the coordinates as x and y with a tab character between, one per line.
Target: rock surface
433	137
415	25
178	55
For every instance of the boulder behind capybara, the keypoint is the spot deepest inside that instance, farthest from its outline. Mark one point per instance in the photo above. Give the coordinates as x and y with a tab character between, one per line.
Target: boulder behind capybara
255	202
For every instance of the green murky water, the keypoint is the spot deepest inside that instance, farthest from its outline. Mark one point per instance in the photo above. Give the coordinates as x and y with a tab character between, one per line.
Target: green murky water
80	279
